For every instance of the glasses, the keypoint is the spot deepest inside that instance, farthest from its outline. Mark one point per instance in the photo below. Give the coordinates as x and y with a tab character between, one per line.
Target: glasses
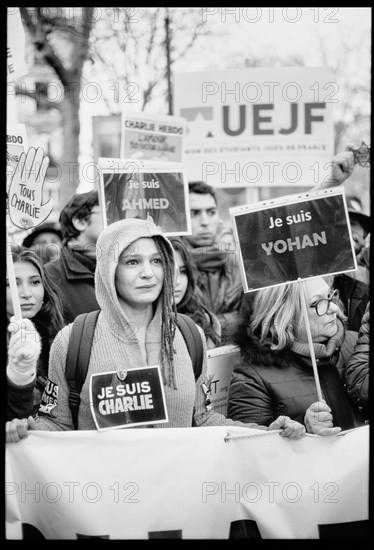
322	306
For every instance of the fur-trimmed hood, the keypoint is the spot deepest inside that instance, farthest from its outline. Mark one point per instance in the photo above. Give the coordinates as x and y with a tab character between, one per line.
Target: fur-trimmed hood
256	353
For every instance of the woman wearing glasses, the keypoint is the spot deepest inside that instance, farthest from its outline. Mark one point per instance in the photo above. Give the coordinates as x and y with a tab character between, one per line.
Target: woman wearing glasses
275	374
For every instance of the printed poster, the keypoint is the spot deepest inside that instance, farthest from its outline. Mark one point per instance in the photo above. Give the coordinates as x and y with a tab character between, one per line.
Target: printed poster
293	237
135	401
221	362
258	126
148	136
149	189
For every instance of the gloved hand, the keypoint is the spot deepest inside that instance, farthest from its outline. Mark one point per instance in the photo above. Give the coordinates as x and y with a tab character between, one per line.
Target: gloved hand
23	351
318	419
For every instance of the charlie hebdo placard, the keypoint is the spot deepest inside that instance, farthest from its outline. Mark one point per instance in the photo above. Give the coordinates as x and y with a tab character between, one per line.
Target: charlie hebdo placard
297	236
149	136
135	401
145	189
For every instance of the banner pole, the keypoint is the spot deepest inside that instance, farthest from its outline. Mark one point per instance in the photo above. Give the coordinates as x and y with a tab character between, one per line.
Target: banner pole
301	284
13	285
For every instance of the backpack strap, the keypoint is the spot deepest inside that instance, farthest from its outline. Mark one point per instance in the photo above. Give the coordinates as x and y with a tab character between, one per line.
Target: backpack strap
193	340
78	357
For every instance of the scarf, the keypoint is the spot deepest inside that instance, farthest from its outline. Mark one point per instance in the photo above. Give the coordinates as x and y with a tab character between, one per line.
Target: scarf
208	258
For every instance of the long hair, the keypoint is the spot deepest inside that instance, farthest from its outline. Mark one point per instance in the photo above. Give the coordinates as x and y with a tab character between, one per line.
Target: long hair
276	313
190	304
169	313
50	313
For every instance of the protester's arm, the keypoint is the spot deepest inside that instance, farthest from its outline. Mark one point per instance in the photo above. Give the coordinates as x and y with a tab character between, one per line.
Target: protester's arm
205	415
342	165
20	400
54	411
357	374
23	353
249	400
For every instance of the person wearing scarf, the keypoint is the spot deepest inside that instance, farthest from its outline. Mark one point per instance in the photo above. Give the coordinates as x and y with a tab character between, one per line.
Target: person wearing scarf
275	374
211	244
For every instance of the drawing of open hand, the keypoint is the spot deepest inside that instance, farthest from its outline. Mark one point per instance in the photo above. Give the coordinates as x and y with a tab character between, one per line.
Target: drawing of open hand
25	191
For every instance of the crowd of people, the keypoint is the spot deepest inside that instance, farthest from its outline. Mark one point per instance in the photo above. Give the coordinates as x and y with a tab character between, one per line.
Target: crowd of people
140	284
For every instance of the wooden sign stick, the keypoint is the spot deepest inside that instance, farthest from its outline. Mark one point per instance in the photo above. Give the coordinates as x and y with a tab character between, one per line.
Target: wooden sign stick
309	334
13	285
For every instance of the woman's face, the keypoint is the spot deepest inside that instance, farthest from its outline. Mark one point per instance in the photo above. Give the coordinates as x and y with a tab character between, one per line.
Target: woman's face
30	290
322	326
140	274
182	279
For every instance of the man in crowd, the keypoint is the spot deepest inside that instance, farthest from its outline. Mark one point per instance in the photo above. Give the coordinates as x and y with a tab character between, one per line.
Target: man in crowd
74	269
218	276
354	286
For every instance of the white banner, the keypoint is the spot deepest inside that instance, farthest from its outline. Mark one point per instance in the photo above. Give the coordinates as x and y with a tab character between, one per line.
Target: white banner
191	483
258	126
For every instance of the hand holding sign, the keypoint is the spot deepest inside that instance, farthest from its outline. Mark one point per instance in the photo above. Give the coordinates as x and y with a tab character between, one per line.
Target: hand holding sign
25	191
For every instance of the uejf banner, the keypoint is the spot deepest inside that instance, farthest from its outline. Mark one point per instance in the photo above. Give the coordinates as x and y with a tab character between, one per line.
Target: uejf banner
158	137
297	236
258	126
131	189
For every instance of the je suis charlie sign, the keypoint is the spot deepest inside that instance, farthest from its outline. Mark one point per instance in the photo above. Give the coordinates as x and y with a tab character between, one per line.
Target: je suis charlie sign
294	237
135	401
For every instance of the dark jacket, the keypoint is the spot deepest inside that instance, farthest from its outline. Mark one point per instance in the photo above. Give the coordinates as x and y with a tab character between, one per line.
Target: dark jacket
357	377
355	295
74	273
266	384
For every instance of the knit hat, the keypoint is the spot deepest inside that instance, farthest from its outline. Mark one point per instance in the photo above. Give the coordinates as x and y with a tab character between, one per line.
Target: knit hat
43	228
354	207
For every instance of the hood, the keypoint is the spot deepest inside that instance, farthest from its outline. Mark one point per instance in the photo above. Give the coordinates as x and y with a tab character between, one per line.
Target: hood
110	244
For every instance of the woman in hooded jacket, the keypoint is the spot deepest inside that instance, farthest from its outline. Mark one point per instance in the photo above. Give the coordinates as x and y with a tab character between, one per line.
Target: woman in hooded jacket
136	327
275	374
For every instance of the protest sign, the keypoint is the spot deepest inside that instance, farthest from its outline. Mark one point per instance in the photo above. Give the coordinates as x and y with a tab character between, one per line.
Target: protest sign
258	126
294	237
137	400
145	189
25	205
193	483
149	136
221	362
16	65
16	143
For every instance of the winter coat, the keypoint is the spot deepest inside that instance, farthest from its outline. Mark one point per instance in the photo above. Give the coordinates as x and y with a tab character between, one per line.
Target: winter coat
115	342
355	295
357	377
74	273
267	383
